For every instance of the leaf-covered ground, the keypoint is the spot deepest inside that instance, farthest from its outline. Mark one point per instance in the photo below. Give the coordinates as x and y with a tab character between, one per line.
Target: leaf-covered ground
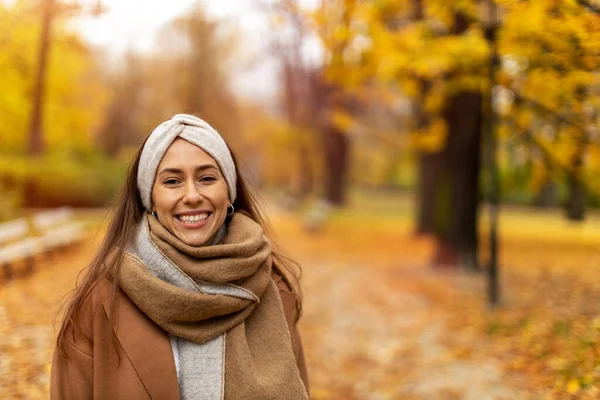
379	323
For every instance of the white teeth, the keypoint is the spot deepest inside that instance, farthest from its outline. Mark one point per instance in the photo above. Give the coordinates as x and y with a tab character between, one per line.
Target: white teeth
193	218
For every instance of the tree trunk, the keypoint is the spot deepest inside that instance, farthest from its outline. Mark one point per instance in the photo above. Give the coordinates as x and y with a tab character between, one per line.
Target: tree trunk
576	201
548	195
426	194
298	97
457	185
36	118
306	181
428	165
427	161
575	206
336	143
337	148
36	143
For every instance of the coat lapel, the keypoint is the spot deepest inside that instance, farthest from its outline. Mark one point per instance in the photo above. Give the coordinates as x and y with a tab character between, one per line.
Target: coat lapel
148	348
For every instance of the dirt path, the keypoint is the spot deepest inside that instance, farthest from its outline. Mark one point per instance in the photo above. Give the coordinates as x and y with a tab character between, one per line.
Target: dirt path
366	338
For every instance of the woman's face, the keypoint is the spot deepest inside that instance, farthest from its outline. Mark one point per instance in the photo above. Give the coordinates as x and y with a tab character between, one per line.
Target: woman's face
190	195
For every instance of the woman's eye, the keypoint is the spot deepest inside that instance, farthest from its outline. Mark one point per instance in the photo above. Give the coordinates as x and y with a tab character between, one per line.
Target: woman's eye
208	179
171	181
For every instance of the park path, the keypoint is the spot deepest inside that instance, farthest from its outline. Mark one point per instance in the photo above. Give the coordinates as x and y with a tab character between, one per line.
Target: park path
368	332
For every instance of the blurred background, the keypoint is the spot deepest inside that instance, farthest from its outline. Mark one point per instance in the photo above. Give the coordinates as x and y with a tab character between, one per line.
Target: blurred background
433	166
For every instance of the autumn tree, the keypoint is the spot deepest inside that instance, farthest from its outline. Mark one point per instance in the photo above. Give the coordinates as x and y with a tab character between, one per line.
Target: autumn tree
299	92
436	53
73	100
196	77
187	73
333	21
75	88
550	79
121	125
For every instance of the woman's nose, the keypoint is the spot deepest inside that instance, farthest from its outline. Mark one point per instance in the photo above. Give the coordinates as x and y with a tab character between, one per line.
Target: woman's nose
192	195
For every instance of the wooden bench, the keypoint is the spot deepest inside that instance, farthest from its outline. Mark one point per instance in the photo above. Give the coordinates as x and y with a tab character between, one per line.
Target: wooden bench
22	239
15	245
57	228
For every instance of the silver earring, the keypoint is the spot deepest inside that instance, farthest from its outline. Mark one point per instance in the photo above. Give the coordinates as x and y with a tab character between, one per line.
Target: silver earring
232	210
154	214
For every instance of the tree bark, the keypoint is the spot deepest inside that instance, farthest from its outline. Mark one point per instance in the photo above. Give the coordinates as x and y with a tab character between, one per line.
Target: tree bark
427	161
576	201
449	181
457	197
575	206
337	147
298	97
36	143
548	195
426	193
336	144
36	118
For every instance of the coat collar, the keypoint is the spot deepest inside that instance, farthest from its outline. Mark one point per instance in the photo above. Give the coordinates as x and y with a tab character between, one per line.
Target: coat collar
148	348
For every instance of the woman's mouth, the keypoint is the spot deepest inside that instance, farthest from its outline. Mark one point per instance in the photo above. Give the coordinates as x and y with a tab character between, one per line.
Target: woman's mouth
193	220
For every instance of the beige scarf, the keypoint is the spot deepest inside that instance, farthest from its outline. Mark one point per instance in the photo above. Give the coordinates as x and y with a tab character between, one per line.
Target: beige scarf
222	304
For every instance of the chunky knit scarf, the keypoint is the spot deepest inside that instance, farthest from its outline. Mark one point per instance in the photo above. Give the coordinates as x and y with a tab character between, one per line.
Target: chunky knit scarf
222	304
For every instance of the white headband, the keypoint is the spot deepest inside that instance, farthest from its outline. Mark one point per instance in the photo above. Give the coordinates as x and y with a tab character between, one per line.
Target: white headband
193	130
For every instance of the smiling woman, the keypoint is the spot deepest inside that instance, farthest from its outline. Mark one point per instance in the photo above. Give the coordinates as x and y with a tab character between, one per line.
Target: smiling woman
190	195
186	298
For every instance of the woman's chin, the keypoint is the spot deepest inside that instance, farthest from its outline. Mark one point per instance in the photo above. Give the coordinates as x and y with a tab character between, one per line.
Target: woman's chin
192	235
194	241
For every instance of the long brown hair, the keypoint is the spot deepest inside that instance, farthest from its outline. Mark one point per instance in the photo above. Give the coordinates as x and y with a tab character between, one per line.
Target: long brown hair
126	215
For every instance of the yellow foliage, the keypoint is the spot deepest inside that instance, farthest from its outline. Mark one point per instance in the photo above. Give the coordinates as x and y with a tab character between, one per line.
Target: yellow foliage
435	99
539	176
75	91
503	132
431	139
549	51
342	120
523	119
573	387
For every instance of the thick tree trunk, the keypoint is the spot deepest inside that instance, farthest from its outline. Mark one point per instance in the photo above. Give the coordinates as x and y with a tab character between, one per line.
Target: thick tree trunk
575	206
548	195
455	177
426	194
457	186
306	178
429	163
299	96
336	144
337	147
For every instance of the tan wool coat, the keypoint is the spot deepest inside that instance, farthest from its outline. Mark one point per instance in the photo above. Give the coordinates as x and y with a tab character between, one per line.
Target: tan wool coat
141	366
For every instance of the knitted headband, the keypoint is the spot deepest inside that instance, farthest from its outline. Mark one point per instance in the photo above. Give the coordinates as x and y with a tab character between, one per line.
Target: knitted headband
193	130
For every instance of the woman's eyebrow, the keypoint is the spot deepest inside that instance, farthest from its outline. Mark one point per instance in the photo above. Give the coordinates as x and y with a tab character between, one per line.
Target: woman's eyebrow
178	171
206	166
170	170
